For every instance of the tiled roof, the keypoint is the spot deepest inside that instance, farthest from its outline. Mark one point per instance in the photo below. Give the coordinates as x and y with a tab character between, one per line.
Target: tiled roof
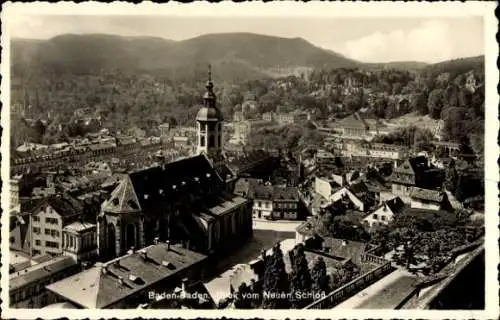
426	194
246	187
286	194
106	284
345	248
40	271
352	121
262	192
64	205
396	204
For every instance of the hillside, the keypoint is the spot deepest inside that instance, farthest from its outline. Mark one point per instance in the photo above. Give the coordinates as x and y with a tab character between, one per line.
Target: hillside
234	55
457	66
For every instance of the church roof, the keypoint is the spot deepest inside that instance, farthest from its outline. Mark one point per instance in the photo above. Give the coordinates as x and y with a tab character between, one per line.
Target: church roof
123	199
209	114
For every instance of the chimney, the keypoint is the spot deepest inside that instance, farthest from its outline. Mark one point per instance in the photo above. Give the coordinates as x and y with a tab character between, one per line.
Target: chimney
144	255
344	242
156	240
120	279
168	245
131	251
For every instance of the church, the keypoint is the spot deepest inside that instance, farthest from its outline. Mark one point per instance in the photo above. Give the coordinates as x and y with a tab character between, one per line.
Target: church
184	202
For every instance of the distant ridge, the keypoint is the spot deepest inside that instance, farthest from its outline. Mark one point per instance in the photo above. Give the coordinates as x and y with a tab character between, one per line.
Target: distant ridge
235	56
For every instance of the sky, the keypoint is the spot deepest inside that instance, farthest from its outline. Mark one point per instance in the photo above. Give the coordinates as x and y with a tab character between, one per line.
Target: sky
367	39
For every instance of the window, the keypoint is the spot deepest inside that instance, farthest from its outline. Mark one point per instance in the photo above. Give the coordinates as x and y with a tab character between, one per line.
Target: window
36	219
36	230
51	220
36	252
260	203
51	244
202	141
38	242
382	218
12	239
211	141
375	216
54	233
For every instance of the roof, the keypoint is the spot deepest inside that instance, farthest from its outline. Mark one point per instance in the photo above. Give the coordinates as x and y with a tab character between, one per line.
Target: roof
396	204
64	205
352	121
426	194
123	199
306	228
345	248
246	187
40	271
286	194
227	205
262	192
359	188
223	171
79	226
100	286
209	114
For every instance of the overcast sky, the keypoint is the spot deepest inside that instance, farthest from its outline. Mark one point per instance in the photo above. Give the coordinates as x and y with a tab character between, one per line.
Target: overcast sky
364	39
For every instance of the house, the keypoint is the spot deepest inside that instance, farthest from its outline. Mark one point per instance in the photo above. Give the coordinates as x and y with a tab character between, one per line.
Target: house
429	199
409	174
48	217
384	213
27	286
355	196
263	199
286	203
326	187
132	279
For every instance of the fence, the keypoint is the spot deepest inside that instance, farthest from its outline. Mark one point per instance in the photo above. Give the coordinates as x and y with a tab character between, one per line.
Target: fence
351	288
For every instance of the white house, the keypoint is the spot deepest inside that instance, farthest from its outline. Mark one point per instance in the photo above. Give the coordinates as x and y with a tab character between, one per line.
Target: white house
383	214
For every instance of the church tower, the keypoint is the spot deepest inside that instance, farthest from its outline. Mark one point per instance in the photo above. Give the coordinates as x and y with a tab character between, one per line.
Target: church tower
209	121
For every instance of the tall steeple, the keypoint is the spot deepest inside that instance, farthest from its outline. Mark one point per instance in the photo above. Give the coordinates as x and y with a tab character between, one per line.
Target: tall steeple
209	98
209	120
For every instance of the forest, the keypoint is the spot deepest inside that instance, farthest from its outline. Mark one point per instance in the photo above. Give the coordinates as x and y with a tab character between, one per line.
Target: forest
453	92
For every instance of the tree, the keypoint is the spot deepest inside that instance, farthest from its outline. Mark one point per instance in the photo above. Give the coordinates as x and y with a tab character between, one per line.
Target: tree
320	280
435	103
275	281
300	278
451	179
242	297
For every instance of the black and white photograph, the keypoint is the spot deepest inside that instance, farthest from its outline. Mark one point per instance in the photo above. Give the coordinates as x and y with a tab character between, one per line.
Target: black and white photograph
154	158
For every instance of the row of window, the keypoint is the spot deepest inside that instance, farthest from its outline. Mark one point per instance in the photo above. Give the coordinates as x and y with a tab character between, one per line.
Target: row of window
376	217
48	244
47	220
47	232
285	205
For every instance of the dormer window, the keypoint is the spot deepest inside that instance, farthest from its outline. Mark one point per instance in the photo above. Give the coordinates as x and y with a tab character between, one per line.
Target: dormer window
115	201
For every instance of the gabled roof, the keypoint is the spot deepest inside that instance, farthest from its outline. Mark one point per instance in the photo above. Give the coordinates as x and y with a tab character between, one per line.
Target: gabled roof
285	194
123	199
426	194
104	284
64	204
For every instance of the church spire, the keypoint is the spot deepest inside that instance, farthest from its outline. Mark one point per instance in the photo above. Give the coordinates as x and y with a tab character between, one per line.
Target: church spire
209	96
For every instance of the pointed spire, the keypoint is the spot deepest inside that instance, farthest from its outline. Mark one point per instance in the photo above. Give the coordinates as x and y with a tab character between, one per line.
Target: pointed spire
209	96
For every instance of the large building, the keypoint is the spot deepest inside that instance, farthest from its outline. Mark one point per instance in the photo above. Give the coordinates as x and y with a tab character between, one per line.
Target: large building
181	201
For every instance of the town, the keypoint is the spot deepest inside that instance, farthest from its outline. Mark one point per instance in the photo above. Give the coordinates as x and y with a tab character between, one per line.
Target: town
329	188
